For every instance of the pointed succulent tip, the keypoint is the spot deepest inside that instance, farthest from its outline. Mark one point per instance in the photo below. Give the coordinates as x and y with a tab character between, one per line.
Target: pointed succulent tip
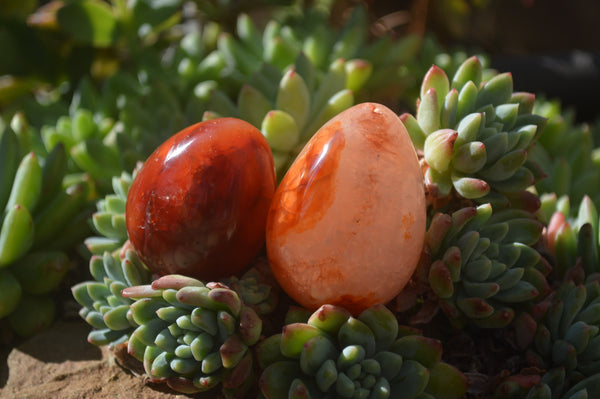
232	351
525	100
294	336
224	35
525	200
462	216
440	224
226	298
431	92
505	316
471	188
436	77
329	318
250	326
453	259
216	284
439	148
176	282
556	223
140	291
209	115
127	247
440	280
360	63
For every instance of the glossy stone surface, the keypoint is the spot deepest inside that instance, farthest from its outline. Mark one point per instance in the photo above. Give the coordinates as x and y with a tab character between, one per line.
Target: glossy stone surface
199	204
347	222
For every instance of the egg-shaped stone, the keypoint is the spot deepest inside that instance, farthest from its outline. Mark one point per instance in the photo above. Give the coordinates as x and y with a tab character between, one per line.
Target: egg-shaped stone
199	204
347	222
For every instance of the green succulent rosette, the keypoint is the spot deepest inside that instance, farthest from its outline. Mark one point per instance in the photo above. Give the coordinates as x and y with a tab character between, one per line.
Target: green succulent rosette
335	355
194	337
483	265
103	306
475	135
562	331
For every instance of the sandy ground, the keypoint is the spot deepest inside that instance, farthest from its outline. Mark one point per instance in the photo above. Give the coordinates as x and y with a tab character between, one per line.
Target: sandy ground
60	363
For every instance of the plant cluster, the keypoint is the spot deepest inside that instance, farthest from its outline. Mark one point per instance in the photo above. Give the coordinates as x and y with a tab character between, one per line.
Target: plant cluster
512	244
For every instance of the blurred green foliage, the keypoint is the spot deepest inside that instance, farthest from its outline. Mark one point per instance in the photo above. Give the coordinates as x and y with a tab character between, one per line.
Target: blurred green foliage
51	42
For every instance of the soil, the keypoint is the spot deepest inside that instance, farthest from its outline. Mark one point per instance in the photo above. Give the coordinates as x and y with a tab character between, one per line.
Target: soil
73	369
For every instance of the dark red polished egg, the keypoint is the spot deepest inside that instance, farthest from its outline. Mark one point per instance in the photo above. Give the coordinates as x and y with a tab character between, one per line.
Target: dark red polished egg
199	204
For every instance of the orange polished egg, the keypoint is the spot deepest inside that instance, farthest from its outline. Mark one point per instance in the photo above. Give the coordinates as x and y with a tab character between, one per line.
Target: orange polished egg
347	222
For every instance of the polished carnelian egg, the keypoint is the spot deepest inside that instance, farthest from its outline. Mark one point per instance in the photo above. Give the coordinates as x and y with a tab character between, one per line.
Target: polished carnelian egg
347	222
198	206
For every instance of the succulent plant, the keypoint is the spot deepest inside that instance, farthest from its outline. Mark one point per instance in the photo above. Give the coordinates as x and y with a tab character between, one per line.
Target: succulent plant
36	206
305	33
81	135
194	337
257	287
550	385
562	331
335	355
475	135
109	218
569	153
103	305
33	314
572	238
450	59
483	265
432	52
109	130
103	132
